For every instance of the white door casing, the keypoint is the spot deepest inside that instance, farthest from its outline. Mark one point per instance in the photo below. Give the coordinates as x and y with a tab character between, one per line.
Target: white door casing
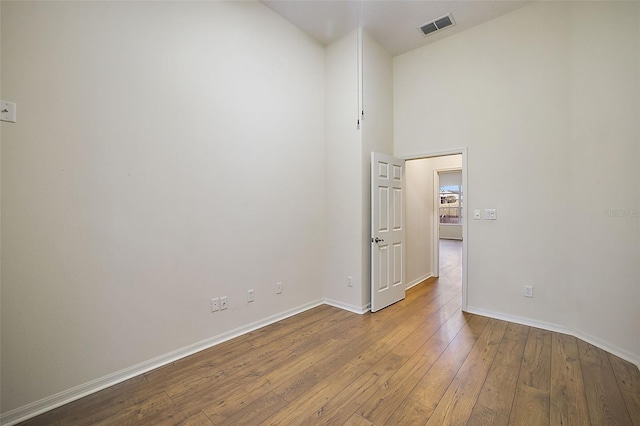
387	231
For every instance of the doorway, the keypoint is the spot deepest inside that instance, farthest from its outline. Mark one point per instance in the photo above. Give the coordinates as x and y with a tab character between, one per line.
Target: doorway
425	248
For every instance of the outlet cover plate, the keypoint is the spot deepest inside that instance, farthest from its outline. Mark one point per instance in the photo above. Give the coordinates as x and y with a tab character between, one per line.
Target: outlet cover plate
7	111
215	304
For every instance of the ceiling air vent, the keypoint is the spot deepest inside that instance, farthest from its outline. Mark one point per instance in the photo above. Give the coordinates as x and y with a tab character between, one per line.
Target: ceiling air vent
437	24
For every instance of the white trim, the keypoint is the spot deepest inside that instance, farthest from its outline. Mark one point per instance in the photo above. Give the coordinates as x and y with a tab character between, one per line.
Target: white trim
348	307
518	320
419	280
613	349
606	346
465	239
436	216
465	229
33	409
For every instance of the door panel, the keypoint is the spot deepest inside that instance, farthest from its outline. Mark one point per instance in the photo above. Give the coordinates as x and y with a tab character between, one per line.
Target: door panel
387	231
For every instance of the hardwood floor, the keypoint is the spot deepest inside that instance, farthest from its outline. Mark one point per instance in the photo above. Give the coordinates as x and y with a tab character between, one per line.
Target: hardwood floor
420	361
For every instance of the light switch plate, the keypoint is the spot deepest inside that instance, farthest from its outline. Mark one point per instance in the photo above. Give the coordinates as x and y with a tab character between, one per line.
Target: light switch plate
7	111
476	214
490	214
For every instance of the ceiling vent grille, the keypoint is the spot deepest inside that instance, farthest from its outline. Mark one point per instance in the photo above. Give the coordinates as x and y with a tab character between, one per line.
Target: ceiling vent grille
437	24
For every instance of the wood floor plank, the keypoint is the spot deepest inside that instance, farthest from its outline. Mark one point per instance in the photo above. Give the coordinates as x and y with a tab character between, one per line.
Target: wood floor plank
228	351
250	368
358	420
382	404
568	403
168	415
605	401
496	397
112	397
198	419
531	401
42	420
339	408
300	383
135	414
457	403
304	406
286	381
432	322
138	398
426	394
628	377
530	407
254	385
219	369
485	416
256	412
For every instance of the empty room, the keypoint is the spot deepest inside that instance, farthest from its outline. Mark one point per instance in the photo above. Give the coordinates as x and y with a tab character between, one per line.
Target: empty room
209	214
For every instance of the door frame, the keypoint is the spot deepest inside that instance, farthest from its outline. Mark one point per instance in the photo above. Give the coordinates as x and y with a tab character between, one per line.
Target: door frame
435	249
465	238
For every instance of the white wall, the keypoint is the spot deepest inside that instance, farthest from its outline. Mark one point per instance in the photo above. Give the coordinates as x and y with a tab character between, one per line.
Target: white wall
420	214
546	100
419	220
451	232
377	136
604	174
343	175
0	218
165	154
348	161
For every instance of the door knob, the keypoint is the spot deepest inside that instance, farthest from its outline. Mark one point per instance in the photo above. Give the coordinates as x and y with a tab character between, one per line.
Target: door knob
378	240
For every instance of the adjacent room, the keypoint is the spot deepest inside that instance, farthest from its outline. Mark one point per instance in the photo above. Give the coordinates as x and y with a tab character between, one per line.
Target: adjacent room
184	176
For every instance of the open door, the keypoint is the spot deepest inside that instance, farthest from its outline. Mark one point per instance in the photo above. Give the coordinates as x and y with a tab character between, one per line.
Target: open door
387	231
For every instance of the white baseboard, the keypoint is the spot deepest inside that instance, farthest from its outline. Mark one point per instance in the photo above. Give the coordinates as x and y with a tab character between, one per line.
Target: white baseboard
348	307
49	403
613	349
419	280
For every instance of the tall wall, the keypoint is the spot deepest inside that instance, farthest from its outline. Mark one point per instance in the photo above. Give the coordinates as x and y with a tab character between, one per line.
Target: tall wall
546	99
604	149
348	160
343	175
0	211
377	135
165	154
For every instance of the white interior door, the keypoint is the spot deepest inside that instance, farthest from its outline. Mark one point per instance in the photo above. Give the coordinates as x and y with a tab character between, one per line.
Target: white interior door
387	231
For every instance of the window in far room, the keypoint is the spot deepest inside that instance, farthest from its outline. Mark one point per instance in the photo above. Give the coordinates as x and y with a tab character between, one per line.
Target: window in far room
450	204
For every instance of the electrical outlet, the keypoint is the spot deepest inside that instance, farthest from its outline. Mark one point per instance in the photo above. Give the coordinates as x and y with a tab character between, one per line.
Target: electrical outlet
490	214
349	281
8	111
223	303
528	291
215	304
278	288
250	297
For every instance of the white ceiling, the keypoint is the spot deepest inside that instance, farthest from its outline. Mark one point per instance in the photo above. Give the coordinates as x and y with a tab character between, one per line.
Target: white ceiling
392	23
